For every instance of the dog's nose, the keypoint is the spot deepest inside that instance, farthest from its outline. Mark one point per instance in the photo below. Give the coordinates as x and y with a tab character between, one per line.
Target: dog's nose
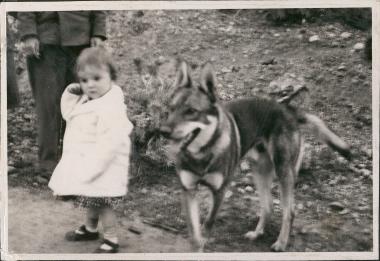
165	131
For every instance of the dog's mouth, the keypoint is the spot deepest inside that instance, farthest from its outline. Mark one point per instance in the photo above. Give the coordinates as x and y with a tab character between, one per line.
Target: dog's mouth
190	137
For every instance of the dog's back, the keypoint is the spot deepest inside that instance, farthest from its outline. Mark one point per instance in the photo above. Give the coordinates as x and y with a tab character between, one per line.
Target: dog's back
260	118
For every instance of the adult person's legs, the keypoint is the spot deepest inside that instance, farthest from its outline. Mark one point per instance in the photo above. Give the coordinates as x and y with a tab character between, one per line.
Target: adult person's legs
12	86
49	75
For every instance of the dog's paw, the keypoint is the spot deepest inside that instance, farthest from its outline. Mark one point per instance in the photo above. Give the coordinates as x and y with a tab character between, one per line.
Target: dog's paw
253	235
198	245
278	246
206	228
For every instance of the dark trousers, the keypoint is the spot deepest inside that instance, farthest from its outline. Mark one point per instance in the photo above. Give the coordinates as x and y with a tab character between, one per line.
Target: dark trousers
12	86
49	75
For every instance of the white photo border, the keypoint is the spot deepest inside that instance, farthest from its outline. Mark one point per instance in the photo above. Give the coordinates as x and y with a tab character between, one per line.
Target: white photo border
183	5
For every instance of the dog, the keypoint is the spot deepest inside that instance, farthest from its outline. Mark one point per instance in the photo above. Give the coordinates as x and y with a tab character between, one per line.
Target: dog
208	140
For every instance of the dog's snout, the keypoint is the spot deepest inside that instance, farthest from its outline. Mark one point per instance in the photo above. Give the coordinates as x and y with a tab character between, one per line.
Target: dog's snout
165	131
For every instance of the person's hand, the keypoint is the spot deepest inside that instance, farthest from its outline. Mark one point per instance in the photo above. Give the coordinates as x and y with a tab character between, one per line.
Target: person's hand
31	46
96	41
74	88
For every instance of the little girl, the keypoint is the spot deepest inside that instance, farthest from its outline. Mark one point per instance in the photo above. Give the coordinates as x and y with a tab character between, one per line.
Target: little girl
93	169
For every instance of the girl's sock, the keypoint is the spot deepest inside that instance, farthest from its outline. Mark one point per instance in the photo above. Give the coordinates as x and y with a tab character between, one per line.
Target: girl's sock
92	230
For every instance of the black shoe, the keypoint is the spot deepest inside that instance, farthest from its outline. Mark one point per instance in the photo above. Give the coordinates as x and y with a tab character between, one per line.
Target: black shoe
81	234
114	247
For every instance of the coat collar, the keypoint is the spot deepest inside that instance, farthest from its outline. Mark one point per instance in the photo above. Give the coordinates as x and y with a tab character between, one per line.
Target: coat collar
85	105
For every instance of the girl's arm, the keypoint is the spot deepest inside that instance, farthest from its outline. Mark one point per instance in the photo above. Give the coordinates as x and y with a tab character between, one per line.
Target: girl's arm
69	99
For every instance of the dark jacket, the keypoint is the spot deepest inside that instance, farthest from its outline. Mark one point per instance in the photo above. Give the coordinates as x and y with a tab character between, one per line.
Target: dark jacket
66	28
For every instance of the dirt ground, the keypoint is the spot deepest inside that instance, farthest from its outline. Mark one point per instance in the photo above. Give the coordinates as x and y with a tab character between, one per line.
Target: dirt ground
334	198
59	217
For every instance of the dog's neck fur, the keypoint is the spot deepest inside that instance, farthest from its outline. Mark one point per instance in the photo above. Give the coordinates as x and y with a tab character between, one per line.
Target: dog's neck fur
210	137
204	136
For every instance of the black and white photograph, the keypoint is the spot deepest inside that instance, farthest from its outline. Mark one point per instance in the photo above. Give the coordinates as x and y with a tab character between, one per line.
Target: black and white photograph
187	130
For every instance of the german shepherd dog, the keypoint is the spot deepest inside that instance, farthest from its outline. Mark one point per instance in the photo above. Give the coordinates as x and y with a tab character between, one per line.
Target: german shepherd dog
208	139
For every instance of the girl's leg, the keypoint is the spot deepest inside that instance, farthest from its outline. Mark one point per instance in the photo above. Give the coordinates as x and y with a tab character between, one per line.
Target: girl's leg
92	219
109	223
88	231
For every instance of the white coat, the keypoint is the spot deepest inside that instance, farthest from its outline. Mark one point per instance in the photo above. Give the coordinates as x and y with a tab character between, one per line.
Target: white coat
96	146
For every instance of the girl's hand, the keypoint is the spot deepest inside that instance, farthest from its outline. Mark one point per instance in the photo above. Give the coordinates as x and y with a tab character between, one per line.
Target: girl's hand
96	41
75	88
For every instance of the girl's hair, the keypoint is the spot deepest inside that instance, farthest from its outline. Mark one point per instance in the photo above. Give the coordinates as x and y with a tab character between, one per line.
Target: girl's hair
96	56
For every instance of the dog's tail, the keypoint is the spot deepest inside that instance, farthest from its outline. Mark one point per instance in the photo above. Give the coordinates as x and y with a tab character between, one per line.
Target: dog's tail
322	132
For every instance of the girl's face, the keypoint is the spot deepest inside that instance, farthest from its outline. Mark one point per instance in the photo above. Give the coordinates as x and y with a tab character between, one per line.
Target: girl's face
95	81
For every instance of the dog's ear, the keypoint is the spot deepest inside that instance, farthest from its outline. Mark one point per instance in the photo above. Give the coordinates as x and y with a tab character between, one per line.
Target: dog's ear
208	81
183	79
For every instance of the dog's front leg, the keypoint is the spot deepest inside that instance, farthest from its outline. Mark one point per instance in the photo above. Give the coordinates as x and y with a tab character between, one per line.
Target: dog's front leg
193	219
216	203
215	181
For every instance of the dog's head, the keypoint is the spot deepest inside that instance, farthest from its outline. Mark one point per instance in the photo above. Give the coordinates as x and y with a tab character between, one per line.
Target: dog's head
191	106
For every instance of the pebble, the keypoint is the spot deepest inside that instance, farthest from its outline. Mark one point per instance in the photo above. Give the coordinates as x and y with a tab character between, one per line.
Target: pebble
354	81
341	160
11	170
240	190
368	152
276	202
346	35
246	180
331	35
228	194
331	27
268	61
302	30
244	166
226	70
314	38
42	180
359	46
248	189
342	68
144	191
161	60
337	206
365	172
355	215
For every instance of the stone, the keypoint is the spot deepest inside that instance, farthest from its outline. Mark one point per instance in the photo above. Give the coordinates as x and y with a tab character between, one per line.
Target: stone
331	35
314	38
346	35
244	166
249	189
337	206
359	46
228	194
